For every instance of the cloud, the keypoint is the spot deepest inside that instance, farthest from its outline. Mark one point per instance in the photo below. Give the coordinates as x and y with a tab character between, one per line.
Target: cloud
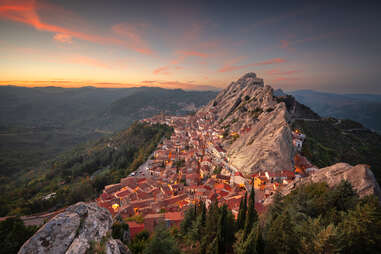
278	72
284	44
286	79
161	70
133	33
192	53
64	38
288	43
227	68
177	84
26	12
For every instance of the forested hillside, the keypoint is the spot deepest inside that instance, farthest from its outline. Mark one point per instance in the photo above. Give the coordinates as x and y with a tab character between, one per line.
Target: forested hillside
39	123
81	173
312	219
330	141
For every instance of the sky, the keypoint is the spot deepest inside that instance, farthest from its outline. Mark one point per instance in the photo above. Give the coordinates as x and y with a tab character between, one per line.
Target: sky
332	46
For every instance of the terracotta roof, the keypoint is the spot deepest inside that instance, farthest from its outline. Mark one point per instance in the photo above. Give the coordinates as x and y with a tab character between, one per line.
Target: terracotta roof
174	216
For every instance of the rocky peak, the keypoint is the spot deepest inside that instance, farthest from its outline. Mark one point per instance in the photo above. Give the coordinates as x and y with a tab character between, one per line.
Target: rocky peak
73	231
262	138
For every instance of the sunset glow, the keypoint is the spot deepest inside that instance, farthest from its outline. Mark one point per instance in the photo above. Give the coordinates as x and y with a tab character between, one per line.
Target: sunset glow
192	45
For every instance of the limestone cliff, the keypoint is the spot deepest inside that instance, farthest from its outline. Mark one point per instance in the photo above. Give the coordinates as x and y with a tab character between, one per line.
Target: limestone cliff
73	231
360	176
260	136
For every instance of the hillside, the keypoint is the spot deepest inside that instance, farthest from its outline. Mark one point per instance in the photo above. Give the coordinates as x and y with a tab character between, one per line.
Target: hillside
81	173
330	141
362	108
37	124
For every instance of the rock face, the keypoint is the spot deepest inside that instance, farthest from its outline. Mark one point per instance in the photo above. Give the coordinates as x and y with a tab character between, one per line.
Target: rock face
248	108
73	231
360	176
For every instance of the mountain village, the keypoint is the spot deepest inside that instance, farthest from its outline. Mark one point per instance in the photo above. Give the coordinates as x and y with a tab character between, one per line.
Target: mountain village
189	167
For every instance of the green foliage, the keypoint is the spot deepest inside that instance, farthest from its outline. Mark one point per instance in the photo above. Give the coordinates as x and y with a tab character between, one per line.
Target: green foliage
209	231
139	242
251	216
241	219
162	242
329	141
13	233
81	174
317	219
119	230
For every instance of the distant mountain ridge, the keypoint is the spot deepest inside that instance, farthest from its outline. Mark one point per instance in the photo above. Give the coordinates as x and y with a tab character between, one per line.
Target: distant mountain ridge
363	108
38	123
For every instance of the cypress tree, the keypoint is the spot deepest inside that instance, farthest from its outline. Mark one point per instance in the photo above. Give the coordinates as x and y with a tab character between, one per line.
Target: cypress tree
221	231
252	215
242	213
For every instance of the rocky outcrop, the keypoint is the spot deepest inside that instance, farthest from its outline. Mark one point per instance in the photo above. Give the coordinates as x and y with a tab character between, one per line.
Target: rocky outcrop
73	231
360	176
262	139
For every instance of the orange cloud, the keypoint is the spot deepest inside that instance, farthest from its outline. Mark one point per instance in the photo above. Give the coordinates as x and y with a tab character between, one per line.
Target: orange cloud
228	67
64	38
161	70
26	12
178	84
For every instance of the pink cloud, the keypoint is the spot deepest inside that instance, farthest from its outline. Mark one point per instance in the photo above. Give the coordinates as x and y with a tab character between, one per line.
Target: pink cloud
287	43
277	72
192	53
284	44
64	38
161	70
228	68
133	33
285	79
26	12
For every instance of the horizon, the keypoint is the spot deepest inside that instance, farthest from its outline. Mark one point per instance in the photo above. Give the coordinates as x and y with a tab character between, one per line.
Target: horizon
190	45
180	88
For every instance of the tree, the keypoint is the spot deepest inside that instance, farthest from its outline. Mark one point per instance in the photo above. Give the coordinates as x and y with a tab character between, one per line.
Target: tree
251	216
161	242
120	230
361	227
281	237
13	233
139	242
242	213
254	243
187	222
221	231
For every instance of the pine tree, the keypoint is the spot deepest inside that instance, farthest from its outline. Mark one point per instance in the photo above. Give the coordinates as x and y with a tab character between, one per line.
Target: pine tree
281	235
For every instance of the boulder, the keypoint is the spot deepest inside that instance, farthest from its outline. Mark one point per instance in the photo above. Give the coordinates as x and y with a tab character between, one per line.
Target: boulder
73	231
360	176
